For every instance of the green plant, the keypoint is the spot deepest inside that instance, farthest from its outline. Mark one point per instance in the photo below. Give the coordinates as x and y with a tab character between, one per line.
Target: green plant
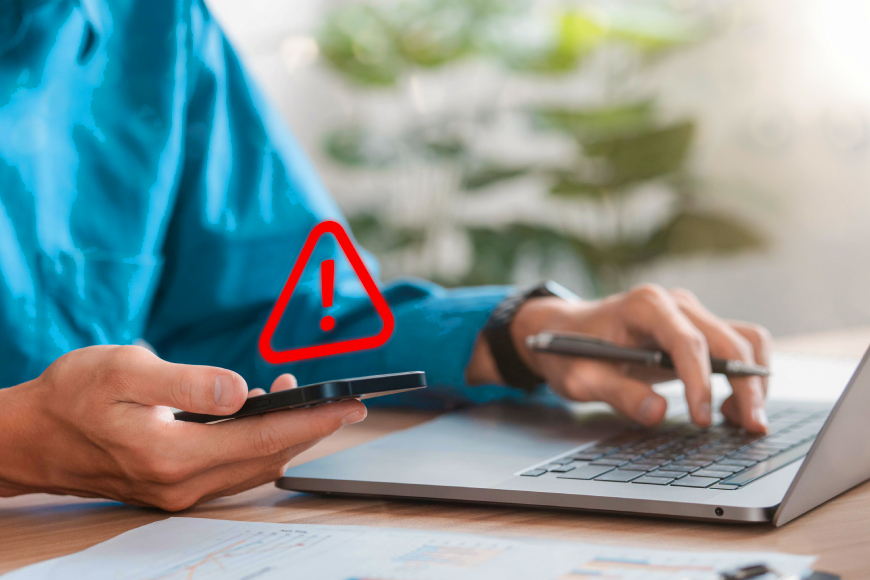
621	143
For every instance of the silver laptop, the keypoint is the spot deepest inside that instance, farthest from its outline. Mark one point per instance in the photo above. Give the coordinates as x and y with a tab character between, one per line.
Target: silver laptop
551	456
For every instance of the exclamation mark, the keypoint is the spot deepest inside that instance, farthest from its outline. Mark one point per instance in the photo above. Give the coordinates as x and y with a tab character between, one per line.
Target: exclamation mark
327	279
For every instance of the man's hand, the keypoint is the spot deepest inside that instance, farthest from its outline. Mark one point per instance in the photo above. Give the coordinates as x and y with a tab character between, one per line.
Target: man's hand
98	423
672	320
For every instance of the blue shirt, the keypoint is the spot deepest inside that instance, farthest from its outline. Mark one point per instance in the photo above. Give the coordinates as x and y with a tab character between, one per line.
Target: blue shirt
148	190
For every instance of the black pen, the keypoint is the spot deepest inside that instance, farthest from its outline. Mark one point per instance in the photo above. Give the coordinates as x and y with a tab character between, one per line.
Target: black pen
581	345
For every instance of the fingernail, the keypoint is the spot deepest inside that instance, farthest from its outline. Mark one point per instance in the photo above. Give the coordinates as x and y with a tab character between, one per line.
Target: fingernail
354	417
648	411
760	416
224	391
705	413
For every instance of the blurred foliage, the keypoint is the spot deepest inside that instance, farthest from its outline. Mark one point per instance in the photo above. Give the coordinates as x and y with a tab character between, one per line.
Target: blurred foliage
577	34
496	250
620	145
380	239
355	146
375	44
480	175
630	158
588	125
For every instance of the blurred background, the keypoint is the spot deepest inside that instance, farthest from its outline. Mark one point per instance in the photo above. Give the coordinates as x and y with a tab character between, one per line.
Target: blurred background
721	146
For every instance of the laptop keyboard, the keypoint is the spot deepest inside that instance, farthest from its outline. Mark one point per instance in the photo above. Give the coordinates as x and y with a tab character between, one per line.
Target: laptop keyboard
718	457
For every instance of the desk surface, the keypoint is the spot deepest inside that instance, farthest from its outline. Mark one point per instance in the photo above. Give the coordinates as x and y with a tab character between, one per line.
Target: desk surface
38	527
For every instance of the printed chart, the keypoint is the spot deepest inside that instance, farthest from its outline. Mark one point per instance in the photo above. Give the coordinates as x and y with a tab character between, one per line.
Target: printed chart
200	549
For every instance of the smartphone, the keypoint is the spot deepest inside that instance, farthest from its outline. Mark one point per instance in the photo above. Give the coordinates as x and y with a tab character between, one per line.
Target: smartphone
318	394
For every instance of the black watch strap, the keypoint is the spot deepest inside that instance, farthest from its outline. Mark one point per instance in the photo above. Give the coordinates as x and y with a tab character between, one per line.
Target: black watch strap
498	334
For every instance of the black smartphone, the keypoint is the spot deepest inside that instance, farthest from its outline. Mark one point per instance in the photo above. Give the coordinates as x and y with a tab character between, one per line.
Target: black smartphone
318	394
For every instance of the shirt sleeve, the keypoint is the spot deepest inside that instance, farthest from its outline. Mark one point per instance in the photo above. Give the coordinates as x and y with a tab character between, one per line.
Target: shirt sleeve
247	199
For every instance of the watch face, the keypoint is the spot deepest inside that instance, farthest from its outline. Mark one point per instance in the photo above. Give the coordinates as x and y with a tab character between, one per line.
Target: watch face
551	288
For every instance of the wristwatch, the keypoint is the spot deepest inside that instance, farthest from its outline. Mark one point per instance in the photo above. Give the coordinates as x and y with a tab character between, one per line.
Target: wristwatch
497	332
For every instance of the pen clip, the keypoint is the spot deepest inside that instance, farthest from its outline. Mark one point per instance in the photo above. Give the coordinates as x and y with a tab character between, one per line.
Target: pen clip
756	571
541	340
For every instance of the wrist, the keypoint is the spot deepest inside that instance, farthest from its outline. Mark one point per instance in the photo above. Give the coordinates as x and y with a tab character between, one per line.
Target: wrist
481	368
535	316
503	339
19	438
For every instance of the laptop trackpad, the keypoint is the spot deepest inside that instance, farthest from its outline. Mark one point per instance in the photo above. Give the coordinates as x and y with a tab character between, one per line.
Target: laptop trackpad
480	447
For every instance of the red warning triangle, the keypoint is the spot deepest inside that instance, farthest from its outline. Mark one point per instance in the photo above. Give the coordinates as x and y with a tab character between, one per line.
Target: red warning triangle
333	348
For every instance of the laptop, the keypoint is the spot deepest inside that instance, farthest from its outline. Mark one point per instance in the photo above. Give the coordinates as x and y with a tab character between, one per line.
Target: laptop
552	456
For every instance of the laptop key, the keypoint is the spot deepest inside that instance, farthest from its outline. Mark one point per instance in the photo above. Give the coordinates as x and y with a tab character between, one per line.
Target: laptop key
639	467
587	456
708	456
625	456
587	472
619	475
658	456
534	472
563	469
752	456
668	474
787	438
724	486
682	467
712	473
770	447
726	467
696	462
611	462
650	480
692	481
739	462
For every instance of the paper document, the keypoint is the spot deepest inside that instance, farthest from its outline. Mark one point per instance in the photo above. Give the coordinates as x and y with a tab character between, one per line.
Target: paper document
198	549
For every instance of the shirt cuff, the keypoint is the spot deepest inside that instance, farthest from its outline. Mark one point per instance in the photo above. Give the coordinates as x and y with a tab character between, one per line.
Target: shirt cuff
436	334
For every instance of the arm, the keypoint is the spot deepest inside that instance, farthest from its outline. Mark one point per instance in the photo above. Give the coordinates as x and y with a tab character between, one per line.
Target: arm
247	199
672	319
98	423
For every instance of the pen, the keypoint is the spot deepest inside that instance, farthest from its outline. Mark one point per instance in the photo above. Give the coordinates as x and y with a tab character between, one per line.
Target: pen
581	345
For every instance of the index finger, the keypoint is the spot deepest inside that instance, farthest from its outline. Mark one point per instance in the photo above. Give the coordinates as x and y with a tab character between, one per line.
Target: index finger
202	447
652	311
727	343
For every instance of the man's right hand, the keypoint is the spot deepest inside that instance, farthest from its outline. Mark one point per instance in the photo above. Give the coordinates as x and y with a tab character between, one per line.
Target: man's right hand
98	423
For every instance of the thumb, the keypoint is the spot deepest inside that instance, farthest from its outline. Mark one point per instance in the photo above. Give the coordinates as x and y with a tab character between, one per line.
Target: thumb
198	389
635	399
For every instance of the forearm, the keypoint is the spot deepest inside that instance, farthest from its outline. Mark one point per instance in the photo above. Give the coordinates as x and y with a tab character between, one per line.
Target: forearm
437	331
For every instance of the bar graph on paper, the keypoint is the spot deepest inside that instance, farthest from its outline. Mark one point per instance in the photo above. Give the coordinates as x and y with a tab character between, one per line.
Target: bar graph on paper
200	549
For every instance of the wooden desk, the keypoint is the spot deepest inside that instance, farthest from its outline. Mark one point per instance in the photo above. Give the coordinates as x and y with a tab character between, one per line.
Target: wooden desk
38	527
